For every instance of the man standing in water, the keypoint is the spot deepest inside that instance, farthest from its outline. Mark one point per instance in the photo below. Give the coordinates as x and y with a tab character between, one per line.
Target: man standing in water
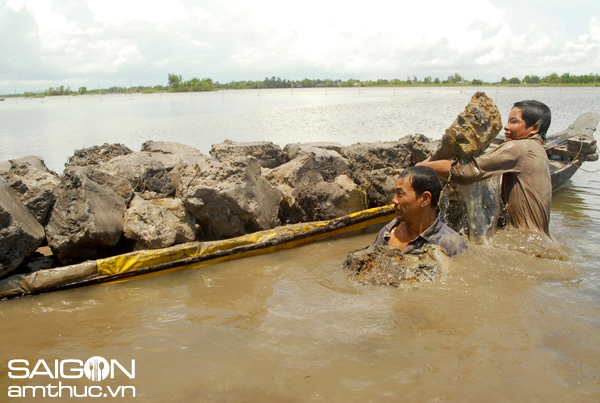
522	162
417	222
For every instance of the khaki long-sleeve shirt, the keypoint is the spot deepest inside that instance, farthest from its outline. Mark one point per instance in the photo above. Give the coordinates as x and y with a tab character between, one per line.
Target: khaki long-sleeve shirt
526	184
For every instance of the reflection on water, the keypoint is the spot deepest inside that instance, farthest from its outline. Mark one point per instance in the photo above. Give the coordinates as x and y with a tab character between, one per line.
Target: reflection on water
575	223
499	325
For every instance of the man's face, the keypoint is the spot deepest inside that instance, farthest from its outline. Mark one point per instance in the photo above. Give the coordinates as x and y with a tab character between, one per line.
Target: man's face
515	128
405	199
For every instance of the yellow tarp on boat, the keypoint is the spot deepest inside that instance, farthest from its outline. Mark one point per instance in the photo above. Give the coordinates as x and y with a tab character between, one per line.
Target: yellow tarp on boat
295	233
188	255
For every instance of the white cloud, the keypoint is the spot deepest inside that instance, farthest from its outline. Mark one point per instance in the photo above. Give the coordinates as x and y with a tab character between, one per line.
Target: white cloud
121	12
128	54
103	40
15	4
595	28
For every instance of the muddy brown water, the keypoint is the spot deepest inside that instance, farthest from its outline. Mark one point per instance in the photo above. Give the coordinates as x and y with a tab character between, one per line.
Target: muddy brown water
499	325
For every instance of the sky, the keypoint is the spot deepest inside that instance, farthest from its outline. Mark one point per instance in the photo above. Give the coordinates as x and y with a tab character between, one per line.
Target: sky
103	43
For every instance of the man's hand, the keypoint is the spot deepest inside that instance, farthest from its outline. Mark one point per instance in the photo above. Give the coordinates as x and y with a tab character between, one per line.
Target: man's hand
441	167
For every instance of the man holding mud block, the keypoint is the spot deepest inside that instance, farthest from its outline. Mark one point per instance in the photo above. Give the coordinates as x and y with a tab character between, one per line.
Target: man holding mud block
417	222
522	162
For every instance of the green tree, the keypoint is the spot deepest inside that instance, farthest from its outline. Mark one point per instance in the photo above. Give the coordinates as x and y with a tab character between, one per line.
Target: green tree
455	79
551	79
567	79
531	80
174	80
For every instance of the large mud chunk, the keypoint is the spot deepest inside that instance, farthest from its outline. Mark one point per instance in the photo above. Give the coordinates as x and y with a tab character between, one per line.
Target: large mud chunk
171	153
325	158
146	175
370	156
291	151
87	218
310	166
158	223
117	184
421	146
327	200
228	199
387	265
35	185
315	186
268	154
97	155
379	185
20	233
299	172
472	131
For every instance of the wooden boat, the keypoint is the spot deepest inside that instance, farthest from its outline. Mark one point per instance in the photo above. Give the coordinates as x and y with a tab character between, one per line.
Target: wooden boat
569	149
566	151
189	255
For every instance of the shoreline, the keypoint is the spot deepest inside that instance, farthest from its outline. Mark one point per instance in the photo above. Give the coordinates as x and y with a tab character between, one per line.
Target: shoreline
105	92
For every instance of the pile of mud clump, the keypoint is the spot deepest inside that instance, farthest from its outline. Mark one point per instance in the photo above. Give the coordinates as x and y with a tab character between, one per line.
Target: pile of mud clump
387	265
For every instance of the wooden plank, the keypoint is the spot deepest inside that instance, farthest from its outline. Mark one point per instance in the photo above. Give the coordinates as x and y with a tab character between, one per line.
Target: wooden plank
584	125
581	144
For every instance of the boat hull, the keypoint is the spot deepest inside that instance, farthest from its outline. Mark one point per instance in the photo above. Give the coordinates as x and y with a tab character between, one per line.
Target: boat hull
561	172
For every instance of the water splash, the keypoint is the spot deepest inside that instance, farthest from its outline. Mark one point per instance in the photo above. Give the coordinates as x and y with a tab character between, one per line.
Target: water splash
473	209
482	200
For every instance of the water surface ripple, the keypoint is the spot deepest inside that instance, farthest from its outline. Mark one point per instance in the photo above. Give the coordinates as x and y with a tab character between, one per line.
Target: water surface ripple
499	325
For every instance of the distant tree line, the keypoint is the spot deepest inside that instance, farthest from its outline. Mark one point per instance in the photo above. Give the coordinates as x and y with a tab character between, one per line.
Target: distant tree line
554	79
455	79
177	84
62	90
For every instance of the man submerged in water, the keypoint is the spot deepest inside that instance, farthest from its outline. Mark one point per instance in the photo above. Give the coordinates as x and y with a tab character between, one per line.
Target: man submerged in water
522	162
417	221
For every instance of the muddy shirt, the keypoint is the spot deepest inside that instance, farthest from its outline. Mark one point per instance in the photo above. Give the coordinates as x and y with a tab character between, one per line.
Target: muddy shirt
438	233
526	184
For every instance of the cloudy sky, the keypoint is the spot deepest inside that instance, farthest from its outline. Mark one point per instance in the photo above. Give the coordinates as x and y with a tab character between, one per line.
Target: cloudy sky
139	42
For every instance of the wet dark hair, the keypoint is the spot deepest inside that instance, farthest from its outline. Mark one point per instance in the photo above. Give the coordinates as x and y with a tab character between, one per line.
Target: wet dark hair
424	179
535	113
